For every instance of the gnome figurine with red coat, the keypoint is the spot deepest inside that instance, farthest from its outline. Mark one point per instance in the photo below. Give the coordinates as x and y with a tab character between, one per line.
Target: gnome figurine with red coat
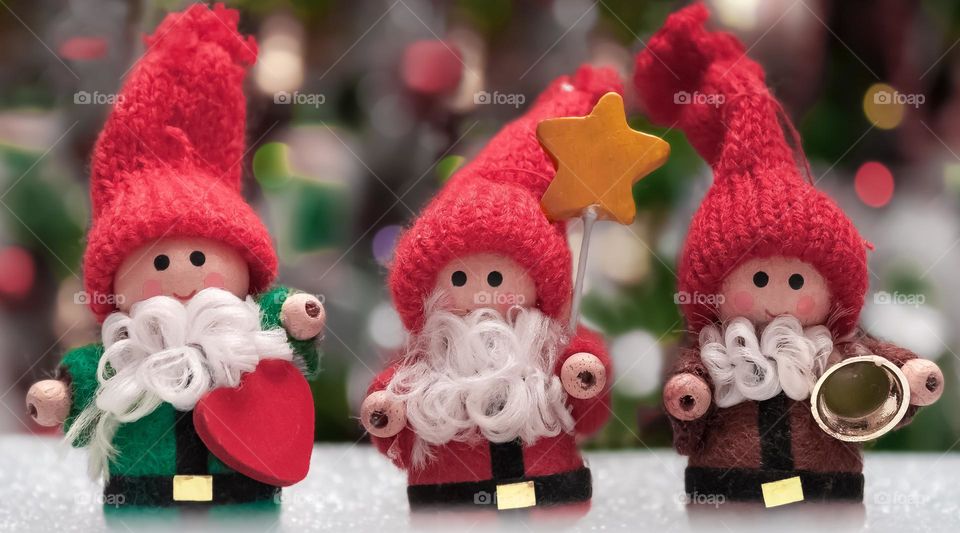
197	393
772	279
487	401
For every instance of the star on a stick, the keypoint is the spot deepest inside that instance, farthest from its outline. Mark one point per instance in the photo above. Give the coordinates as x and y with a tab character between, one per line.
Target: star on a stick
599	158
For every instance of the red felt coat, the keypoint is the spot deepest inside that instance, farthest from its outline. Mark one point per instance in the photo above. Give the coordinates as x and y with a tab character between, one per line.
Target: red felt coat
456	462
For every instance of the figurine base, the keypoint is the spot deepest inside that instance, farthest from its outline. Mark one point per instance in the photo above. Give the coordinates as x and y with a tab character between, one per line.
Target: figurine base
158	491
556	489
744	484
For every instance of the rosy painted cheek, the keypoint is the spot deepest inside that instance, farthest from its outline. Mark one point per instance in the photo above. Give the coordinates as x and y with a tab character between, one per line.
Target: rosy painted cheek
151	288
805	306
214	280
743	301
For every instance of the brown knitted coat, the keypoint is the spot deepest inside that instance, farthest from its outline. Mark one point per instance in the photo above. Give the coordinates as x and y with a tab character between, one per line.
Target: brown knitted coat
734	450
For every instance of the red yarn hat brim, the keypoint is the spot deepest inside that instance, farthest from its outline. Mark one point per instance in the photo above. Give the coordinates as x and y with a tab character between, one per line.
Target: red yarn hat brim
479	216
194	207
806	225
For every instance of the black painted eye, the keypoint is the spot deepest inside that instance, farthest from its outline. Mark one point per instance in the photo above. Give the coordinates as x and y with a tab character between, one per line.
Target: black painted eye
161	262
197	258
494	278
796	282
760	279
459	278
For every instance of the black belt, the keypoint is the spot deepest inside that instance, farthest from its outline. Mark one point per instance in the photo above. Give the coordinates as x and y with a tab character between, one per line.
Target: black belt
566	487
506	468
506	460
192	453
743	484
158	490
773	428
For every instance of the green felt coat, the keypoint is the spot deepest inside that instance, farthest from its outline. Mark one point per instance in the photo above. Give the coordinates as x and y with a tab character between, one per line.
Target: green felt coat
147	447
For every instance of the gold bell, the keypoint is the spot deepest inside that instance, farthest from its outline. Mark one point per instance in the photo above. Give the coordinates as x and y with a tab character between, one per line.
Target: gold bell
860	398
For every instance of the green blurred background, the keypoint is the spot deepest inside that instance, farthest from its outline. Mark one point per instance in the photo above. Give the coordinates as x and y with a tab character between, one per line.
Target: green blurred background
358	111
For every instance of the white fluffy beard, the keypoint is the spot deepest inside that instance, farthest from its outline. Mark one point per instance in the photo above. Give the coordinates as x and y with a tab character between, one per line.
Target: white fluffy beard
464	377
785	358
166	351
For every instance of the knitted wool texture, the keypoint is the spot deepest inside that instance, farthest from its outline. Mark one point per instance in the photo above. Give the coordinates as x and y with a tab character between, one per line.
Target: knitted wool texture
760	205
168	162
493	205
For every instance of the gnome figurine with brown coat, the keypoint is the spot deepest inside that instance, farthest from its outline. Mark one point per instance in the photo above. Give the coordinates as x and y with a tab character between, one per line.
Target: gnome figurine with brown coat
196	394
485	405
772	279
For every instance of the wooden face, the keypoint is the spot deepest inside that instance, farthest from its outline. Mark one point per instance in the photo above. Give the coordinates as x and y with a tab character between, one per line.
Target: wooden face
486	280
761	289
180	267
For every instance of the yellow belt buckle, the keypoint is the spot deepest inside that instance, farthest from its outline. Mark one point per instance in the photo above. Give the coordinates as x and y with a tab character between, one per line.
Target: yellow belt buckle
782	492
193	488
516	495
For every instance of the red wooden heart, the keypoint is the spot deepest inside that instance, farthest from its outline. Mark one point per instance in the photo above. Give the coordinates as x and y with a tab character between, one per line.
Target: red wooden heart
263	428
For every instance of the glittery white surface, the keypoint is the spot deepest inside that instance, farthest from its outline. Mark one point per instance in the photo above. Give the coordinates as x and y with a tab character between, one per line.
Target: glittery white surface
43	488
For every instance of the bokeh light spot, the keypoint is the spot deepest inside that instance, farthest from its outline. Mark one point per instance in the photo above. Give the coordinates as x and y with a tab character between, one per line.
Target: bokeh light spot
738	14
638	357
19	272
447	166
385	328
271	166
882	107
951	177
83	48
431	67
384	242
874	184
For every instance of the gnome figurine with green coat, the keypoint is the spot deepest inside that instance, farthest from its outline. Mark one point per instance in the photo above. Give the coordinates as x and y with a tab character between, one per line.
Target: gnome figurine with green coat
197	392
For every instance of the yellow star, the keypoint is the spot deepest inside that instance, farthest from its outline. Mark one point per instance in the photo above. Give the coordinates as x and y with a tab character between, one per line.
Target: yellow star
598	159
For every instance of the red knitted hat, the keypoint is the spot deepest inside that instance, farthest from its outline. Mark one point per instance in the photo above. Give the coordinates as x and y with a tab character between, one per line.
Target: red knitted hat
760	204
493	205
168	162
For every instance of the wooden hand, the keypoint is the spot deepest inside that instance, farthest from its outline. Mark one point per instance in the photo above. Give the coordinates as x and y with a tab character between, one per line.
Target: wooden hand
48	402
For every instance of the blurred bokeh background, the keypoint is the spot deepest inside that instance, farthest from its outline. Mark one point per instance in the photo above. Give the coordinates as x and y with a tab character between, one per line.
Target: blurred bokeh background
359	110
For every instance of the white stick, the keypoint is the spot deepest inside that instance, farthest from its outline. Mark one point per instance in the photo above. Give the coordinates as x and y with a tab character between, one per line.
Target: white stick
589	217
